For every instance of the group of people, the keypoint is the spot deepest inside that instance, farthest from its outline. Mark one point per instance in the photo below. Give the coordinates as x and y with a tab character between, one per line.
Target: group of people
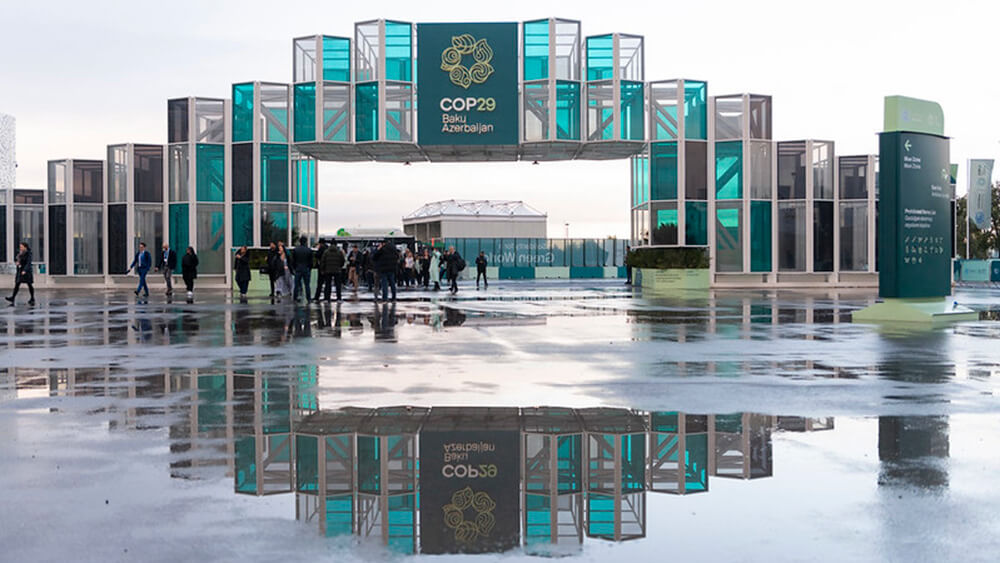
166	263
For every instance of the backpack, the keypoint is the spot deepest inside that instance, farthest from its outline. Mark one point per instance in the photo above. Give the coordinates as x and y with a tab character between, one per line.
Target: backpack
460	263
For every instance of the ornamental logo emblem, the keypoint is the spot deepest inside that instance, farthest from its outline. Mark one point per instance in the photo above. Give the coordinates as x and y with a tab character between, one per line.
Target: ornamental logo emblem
453	57
478	507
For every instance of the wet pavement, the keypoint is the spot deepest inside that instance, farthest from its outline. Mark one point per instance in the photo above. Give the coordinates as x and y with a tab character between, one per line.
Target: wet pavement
127	428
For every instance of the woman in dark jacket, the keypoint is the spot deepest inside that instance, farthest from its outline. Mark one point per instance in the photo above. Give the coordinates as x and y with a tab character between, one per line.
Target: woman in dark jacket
242	270
189	269
24	274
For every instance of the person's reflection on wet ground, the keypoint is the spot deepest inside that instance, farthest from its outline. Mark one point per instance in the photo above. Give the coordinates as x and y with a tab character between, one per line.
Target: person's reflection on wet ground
384	322
302	324
242	334
143	328
329	317
355	324
453	317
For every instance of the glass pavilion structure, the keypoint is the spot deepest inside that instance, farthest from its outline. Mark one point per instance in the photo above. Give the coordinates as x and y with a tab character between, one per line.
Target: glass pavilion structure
705	170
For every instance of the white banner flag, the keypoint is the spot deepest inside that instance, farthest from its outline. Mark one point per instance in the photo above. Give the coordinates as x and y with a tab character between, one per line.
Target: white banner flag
980	192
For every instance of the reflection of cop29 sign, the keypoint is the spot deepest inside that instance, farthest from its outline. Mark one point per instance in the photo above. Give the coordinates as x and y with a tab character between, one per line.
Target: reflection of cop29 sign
467	84
469	491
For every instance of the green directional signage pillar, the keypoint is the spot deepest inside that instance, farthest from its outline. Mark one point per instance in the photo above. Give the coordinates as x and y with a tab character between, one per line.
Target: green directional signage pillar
914	215
467	79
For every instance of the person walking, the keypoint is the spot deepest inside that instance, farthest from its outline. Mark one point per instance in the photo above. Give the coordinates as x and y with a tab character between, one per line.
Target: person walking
273	265
352	267
167	264
435	269
425	268
25	274
141	264
385	260
283	284
301	262
318	253
242	271
409	273
331	269
628	266
455	265
189	270
481	270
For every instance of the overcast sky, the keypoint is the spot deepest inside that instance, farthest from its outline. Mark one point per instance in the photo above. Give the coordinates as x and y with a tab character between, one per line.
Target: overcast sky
81	75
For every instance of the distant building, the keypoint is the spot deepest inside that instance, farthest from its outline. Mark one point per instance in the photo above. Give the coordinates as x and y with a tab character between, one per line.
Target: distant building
456	218
8	176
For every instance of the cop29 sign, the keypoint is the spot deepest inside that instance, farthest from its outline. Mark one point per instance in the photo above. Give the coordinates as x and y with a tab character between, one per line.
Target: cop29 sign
467	83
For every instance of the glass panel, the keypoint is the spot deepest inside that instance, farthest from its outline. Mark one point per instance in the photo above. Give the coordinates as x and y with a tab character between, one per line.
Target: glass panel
557	247
57	182
210	224
273	224
695	110
729	170
3	227
399	112
568	111
398	51
274	112
536	50
792	236
729	118
632	107
180	236
88	181
576	252
663	170
117	173
210	119
854	236
177	121
822	162
600	112
791	170
760	117
760	236
567	50
823	236
117	239
305	112
211	174
663	110
243	224
760	170
853	177
536	112
336	112
148	173
304	180
242	112
337	59
57	239
600	58
29	227
630	61
366	108
696	169
177	172
88	240
148	229
728	242
304	58
273	172
243	172
665	223
696	223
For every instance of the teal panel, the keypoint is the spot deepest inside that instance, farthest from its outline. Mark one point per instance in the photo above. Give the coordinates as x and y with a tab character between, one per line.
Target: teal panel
569	457
622	271
336	59
516	273
728	246
568	110
665	226
695	110
305	180
696	463
600	58
633	463
366	112
586	272
245	473
306	464
663	170
179	230
760	236
211	402
575	252
306	398
369	466
696	223
304	101
402	523
242	224
398	51
276	404
664	421
665	121
536	50
729	170
538	513
210	176
601	515
339	515
274	172
243	112
729	423
633	126
558	250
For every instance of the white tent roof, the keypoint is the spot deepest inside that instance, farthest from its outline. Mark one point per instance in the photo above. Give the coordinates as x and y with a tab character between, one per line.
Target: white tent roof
475	208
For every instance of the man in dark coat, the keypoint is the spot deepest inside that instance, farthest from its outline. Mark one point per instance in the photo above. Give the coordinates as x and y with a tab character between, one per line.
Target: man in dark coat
386	258
331	269
25	273
481	269
301	265
320	249
167	264
273	266
455	265
141	264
